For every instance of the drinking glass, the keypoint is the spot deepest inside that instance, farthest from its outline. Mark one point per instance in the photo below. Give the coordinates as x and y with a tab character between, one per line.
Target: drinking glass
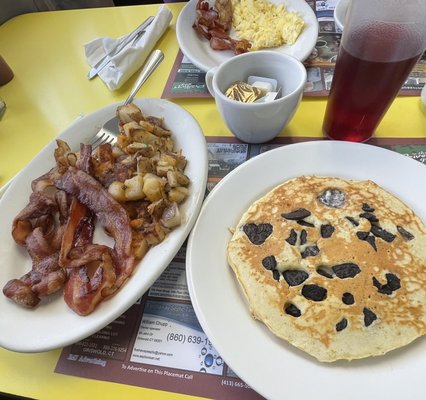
381	42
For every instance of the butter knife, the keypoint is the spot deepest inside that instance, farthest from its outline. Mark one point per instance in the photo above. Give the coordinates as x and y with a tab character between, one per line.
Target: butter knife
140	30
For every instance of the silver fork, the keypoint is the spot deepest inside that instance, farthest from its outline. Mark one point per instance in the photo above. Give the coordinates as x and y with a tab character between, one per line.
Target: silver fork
109	131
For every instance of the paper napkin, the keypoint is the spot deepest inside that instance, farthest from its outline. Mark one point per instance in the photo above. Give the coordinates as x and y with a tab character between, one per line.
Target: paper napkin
123	65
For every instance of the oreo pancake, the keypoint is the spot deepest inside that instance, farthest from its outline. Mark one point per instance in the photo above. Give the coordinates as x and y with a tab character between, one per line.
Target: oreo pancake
335	267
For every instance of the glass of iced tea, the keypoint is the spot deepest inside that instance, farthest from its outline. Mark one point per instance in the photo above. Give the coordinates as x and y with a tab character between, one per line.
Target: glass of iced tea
382	41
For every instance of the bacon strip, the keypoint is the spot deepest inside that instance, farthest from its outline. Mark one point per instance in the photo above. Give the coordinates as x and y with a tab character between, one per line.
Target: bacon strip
80	225
83	290
35	229
83	293
110	214
80	219
215	25
64	254
57	225
45	277
39	205
92	272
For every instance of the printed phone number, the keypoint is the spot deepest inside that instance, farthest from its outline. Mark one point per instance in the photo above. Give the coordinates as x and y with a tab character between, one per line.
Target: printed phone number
192	339
237	384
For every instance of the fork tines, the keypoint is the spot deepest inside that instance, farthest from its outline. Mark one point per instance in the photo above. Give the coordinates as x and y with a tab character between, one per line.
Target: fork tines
103	138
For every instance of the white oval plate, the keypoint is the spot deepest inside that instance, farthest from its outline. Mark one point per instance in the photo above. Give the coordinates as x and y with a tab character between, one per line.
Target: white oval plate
52	324
198	49
269	365
340	13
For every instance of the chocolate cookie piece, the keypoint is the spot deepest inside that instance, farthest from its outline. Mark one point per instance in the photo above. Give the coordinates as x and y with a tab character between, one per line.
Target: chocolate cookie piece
257	233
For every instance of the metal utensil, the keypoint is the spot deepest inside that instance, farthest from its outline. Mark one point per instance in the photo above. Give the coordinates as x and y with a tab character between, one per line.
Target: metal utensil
108	133
136	34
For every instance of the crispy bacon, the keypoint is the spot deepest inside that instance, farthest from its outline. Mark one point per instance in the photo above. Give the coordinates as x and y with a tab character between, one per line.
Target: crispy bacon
83	293
84	162
92	272
85	288
45	277
218	33
110	214
202	30
237	46
38	246
218	43
215	24
35	228
39	205
20	293
240	46
42	182
57	225
80	227
64	255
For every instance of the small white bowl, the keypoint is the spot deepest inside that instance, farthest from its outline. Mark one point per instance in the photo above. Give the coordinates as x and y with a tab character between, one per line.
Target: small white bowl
258	122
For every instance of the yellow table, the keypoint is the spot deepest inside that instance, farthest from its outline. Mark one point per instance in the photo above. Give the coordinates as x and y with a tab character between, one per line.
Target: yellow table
50	90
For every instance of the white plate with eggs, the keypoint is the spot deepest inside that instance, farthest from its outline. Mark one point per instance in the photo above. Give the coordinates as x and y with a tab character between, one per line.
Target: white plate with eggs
198	50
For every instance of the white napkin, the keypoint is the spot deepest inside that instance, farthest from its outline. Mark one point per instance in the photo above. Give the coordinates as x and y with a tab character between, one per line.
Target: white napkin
123	65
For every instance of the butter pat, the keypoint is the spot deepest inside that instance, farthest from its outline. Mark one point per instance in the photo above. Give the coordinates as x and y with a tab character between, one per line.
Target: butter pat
257	89
242	91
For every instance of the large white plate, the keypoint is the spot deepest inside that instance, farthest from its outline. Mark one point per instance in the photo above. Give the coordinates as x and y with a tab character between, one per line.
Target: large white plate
269	365
198	49
52	324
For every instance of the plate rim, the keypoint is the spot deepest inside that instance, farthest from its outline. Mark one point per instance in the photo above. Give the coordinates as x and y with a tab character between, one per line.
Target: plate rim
181	34
173	241
294	353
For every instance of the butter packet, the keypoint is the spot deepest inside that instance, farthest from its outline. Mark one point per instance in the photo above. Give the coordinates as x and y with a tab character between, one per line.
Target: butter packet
257	89
242	91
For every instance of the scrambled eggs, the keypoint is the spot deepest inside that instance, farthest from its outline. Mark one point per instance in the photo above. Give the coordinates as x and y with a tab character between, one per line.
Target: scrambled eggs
265	24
